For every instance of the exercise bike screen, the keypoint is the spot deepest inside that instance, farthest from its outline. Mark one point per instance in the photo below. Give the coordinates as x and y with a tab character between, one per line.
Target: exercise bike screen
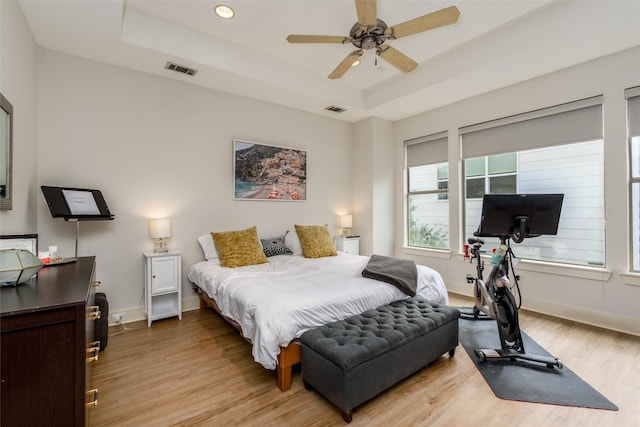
503	213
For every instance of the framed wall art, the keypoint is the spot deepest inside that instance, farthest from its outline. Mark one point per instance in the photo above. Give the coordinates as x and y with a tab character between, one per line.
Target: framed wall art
6	154
269	172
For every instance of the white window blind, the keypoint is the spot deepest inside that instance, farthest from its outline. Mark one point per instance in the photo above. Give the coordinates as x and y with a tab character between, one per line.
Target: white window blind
426	150
561	124
633	105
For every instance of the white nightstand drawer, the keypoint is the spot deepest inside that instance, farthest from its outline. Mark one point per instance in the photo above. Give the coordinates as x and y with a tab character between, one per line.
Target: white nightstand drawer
349	245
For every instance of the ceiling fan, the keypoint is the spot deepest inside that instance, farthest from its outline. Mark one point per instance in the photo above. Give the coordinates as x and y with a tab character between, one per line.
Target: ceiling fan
370	32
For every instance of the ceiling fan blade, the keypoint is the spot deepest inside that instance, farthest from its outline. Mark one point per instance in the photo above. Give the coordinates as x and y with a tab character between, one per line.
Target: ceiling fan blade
301	38
426	22
396	58
367	12
346	63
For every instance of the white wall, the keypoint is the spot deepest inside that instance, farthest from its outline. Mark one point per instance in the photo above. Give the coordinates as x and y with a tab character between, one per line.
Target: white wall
158	147
593	296
372	178
18	78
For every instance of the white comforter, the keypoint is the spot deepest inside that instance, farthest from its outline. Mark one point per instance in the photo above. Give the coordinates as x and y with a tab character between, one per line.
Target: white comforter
276	302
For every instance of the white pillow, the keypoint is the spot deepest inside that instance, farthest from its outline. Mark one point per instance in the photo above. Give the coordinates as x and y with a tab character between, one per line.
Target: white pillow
292	242
208	247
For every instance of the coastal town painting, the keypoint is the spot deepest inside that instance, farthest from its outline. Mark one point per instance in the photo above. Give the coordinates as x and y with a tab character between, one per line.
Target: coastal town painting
269	172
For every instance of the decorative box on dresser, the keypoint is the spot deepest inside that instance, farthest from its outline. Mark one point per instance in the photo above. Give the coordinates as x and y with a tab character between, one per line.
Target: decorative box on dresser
349	245
47	347
163	288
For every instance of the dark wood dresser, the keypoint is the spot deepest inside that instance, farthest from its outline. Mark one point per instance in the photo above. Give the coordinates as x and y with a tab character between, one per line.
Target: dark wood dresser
46	347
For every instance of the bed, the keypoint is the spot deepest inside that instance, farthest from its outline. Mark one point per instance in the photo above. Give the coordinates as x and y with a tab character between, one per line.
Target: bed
273	303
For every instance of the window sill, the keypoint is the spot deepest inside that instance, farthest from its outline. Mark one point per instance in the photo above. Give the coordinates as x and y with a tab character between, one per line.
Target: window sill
580	271
632	279
583	272
434	253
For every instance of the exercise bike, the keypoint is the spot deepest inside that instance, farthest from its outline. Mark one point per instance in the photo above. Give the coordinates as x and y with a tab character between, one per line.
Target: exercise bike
494	299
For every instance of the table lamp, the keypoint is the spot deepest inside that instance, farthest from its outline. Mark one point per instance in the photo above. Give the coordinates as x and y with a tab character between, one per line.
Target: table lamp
346	222
159	230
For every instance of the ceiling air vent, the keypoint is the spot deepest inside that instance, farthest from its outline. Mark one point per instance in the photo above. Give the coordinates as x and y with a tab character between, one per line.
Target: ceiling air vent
180	69
335	109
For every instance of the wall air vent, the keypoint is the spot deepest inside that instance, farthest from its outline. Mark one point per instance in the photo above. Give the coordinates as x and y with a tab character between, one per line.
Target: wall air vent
335	109
180	69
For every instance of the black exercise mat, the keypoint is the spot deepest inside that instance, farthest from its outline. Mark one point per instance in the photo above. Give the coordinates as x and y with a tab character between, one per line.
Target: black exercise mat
527	381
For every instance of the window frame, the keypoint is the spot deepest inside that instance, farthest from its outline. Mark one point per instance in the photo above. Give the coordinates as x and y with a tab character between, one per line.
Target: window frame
429	150
632	96
632	235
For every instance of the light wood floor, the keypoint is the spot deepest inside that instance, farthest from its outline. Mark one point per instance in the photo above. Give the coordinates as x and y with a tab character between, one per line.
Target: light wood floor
199	372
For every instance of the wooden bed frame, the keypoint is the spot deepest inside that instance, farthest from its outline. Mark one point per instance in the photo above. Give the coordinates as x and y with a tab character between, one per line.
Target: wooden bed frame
287	357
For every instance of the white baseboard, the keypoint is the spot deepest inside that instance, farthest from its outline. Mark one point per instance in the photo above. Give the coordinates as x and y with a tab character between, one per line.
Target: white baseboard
192	303
589	317
135	314
601	320
563	311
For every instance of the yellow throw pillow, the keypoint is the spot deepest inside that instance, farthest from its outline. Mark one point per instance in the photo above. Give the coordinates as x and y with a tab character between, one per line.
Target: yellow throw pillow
316	241
239	248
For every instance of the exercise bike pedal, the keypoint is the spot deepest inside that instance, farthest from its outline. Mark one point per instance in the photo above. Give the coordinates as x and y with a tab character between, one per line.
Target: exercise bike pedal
473	314
484	354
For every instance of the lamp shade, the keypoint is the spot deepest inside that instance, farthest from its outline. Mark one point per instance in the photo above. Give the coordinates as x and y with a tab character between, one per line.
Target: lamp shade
17	266
160	228
346	221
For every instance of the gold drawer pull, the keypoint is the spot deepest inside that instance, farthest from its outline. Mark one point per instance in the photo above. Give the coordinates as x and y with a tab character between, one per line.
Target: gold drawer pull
94	402
93	312
95	351
96	283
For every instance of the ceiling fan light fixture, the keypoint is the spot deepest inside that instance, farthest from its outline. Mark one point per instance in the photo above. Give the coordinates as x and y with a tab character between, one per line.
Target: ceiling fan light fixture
355	64
224	11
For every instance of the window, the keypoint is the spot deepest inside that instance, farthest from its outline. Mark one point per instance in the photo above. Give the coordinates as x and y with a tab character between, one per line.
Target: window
490	175
555	150
635	202
443	181
633	109
427	204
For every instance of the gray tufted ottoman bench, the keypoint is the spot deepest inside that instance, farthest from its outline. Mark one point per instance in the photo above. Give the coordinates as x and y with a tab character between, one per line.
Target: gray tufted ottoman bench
352	360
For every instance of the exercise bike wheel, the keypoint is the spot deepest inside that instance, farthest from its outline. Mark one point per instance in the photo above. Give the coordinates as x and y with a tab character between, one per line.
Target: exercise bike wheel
507	315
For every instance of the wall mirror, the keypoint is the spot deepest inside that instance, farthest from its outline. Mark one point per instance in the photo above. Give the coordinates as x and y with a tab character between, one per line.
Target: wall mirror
6	153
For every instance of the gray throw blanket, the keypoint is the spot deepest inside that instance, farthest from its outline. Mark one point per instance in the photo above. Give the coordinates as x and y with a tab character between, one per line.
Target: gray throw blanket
401	273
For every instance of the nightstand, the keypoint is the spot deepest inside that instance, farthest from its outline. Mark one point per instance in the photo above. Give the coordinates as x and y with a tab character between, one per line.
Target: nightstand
163	288
349	245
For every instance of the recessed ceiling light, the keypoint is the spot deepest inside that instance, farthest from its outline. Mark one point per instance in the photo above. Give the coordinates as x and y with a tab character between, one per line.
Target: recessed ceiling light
224	11
355	64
